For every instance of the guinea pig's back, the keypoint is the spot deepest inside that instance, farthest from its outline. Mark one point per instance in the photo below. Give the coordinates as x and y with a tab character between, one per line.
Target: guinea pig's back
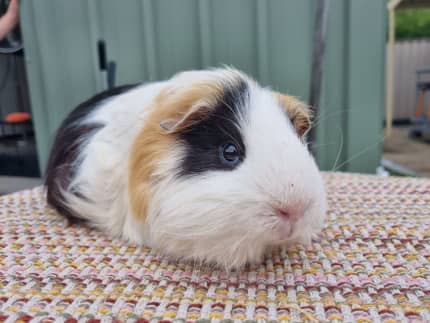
87	168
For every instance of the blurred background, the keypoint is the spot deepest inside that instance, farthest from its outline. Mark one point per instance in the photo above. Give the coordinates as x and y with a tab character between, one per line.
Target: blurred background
364	66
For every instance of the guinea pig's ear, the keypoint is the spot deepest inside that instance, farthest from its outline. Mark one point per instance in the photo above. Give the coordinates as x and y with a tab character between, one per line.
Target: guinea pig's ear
180	107
299	113
193	115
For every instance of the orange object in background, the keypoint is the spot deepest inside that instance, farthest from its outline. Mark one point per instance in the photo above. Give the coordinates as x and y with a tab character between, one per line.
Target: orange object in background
420	106
18	117
428	112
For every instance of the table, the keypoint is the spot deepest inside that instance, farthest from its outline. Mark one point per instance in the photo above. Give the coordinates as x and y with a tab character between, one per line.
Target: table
371	264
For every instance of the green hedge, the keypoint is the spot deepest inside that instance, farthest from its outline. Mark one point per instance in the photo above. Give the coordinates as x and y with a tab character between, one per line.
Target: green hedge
413	23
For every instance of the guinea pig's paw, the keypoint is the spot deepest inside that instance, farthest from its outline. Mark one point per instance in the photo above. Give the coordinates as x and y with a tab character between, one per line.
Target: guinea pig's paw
316	236
305	239
313	235
316	230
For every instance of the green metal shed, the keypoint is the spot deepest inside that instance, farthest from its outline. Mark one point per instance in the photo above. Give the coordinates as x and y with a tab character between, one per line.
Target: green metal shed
270	39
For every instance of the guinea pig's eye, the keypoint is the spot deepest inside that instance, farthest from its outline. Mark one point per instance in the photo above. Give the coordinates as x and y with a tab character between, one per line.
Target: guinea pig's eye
229	154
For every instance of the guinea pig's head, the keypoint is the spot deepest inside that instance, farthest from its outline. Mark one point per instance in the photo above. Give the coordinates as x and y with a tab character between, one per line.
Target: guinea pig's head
220	170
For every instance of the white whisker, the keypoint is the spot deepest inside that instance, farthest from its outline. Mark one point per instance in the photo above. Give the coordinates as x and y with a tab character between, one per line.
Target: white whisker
360	153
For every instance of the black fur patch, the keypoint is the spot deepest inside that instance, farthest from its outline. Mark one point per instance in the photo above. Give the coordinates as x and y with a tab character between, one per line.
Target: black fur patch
71	135
204	139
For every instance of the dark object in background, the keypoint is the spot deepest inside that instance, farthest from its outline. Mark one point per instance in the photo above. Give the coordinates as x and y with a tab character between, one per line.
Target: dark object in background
421	121
12	43
107	69
18	156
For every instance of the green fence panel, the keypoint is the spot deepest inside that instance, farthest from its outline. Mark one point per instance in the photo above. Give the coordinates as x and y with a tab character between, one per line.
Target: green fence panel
270	39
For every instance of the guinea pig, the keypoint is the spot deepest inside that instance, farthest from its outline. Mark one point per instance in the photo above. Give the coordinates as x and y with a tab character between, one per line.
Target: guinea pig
207	166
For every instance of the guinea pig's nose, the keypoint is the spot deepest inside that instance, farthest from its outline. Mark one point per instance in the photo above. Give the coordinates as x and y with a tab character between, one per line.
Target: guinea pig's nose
282	212
288	212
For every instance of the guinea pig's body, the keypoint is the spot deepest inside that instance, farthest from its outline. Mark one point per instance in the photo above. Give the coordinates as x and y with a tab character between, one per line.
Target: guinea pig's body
207	166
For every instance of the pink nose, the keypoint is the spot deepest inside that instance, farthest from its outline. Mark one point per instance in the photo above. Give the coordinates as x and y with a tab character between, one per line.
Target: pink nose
282	212
291	212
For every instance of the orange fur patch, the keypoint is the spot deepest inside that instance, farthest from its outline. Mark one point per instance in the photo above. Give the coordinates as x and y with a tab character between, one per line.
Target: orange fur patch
174	109
299	113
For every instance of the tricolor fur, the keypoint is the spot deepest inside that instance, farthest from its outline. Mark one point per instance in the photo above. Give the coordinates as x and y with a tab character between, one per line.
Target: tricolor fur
145	163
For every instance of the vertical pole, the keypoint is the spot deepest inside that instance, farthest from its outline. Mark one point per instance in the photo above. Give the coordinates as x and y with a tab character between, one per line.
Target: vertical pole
389	82
390	73
319	41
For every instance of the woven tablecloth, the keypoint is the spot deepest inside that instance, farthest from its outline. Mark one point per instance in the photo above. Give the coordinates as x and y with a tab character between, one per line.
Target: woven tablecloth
371	264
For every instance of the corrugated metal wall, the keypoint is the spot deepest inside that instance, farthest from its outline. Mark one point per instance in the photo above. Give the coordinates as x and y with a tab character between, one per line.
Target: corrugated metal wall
270	39
409	56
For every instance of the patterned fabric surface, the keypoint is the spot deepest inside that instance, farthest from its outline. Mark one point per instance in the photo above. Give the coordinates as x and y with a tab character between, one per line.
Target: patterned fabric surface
371	264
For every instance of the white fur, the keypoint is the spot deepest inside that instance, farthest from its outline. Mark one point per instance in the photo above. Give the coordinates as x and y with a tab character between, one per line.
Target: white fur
225	217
